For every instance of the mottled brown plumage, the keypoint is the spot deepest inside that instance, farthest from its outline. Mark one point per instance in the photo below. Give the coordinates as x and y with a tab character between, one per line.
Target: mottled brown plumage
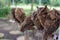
18	14
43	18
36	20
27	24
24	21
50	21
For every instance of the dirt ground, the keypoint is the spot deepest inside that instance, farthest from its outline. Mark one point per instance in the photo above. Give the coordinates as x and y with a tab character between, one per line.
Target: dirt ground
6	27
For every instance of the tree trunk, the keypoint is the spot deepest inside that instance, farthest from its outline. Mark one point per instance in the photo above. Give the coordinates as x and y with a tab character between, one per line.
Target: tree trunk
12	2
32	5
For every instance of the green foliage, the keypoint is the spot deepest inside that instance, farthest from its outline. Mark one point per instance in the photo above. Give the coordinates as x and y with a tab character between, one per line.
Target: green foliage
55	2
47	2
27	12
4	7
1	4
30	1
4	3
26	1
36	1
4	11
17	1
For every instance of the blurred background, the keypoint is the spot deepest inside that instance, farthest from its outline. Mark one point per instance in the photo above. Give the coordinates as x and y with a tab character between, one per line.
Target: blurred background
27	5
